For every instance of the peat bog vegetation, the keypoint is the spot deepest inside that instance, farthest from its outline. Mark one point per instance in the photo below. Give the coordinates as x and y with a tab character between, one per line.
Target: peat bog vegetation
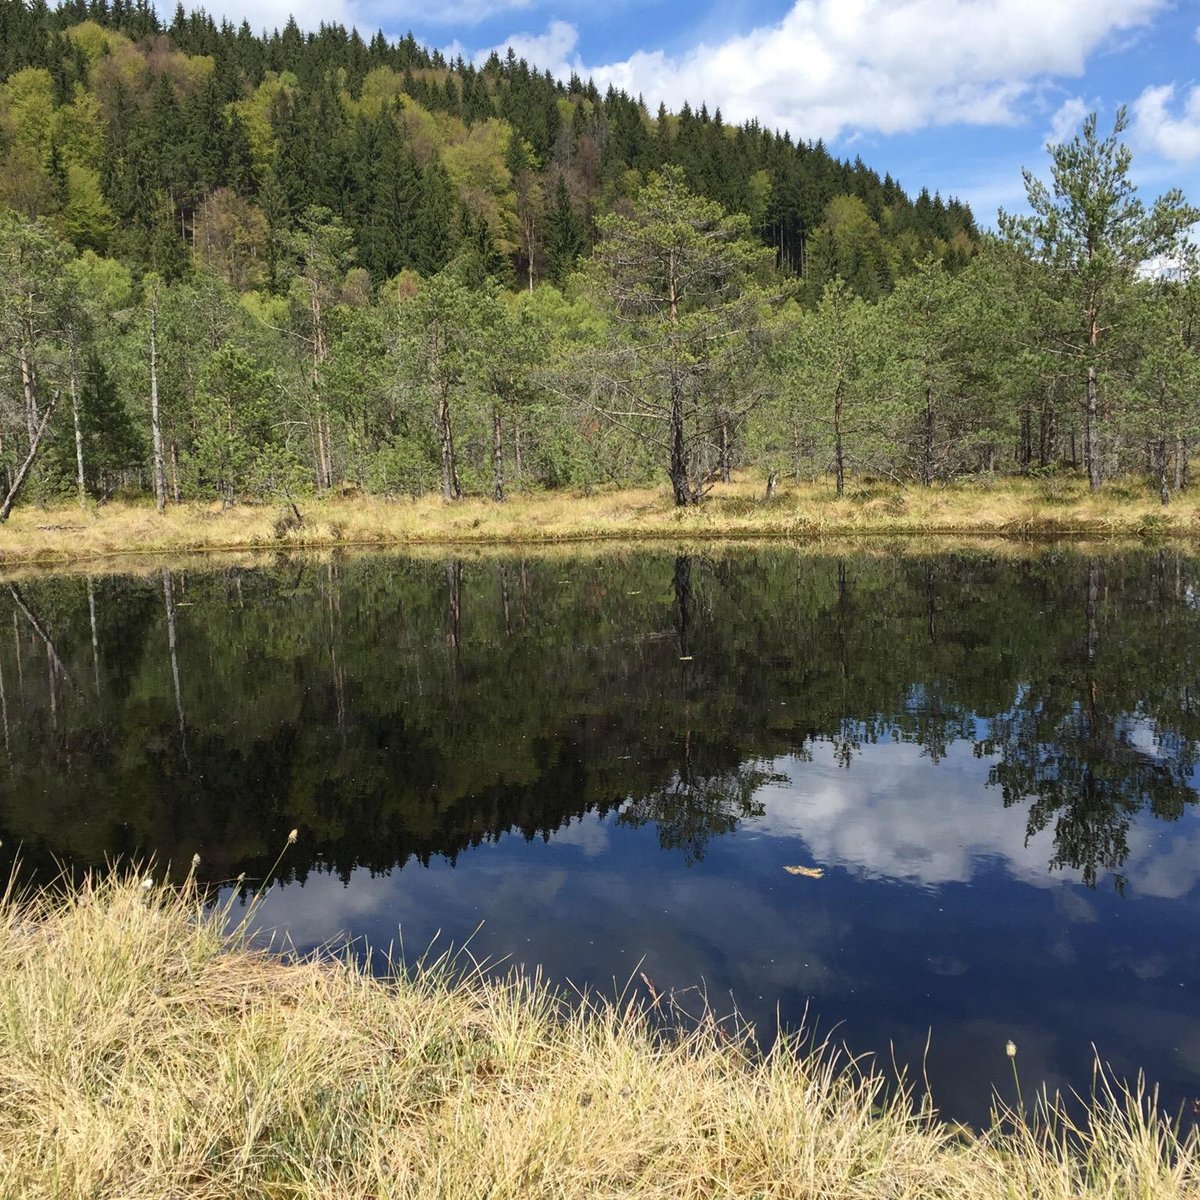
149	1052
1005	508
557	466
925	791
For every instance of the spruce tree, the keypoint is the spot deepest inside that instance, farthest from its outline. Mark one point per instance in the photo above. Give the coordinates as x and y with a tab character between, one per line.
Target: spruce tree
564	236
435	221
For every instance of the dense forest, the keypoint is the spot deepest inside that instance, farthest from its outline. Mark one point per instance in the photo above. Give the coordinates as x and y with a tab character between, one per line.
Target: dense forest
245	267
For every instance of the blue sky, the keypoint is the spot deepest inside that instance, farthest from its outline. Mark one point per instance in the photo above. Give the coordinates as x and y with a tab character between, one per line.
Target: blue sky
956	95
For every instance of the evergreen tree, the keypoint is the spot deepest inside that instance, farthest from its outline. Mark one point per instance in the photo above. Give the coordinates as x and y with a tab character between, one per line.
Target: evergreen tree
435	221
564	236
677	277
1091	235
390	233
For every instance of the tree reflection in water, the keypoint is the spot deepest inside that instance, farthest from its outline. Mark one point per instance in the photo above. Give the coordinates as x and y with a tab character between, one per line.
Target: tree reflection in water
398	708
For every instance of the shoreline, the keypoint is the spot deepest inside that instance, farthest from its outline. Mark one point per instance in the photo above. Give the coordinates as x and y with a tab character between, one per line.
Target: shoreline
171	1058
1014	510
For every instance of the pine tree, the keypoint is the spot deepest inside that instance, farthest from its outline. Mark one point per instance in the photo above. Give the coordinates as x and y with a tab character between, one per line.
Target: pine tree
1092	235
677	276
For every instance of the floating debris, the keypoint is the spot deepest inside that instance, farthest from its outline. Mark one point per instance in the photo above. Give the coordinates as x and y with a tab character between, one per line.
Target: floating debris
806	872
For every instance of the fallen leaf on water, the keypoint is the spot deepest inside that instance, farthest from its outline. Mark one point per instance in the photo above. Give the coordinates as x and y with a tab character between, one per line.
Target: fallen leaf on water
807	872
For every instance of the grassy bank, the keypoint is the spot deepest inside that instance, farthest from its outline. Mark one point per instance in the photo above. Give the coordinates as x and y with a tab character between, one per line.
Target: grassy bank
1006	508
148	1055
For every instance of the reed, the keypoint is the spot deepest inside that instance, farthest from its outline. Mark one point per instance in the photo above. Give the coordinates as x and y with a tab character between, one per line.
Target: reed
1016	508
150	1052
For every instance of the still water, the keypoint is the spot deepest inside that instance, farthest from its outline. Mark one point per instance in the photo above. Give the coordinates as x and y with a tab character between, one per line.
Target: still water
601	765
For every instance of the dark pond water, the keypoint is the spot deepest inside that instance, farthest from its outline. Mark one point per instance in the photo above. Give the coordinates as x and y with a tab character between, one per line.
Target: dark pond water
606	764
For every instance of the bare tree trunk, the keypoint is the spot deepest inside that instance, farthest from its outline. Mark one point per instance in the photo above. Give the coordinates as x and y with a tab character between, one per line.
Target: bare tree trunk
173	649
683	603
505	602
52	688
324	473
1091	450
1047	448
680	485
4	709
40	630
95	637
160	482
17	652
497	455
319	353
839	456
327	442
1159	449
726	452
841	624
19	481
337	671
772	483
1093	605
1181	463
176	494
74	381
451	488
927	440
454	574
28	378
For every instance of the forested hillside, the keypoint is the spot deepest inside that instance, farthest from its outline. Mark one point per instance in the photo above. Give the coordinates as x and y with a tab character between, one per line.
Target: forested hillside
237	266
150	143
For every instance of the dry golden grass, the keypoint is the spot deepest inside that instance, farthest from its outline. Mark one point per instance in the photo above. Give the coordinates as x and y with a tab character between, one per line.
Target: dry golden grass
148	1053
1003	508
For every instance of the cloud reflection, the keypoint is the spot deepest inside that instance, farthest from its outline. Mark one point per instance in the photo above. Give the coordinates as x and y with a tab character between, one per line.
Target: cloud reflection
890	815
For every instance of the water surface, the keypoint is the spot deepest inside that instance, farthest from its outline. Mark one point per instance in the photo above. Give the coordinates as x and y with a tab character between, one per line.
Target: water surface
602	766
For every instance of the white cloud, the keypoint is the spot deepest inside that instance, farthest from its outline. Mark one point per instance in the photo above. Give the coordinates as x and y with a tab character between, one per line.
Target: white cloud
453	12
550	51
589	833
1066	120
366	15
830	68
1164	866
1160	127
890	817
267	14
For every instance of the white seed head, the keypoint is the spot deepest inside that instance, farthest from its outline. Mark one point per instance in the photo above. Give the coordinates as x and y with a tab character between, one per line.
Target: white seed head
1011	1049
195	860
147	884
241	877
293	836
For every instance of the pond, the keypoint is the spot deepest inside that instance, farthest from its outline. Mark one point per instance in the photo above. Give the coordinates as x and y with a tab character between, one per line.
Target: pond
602	765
